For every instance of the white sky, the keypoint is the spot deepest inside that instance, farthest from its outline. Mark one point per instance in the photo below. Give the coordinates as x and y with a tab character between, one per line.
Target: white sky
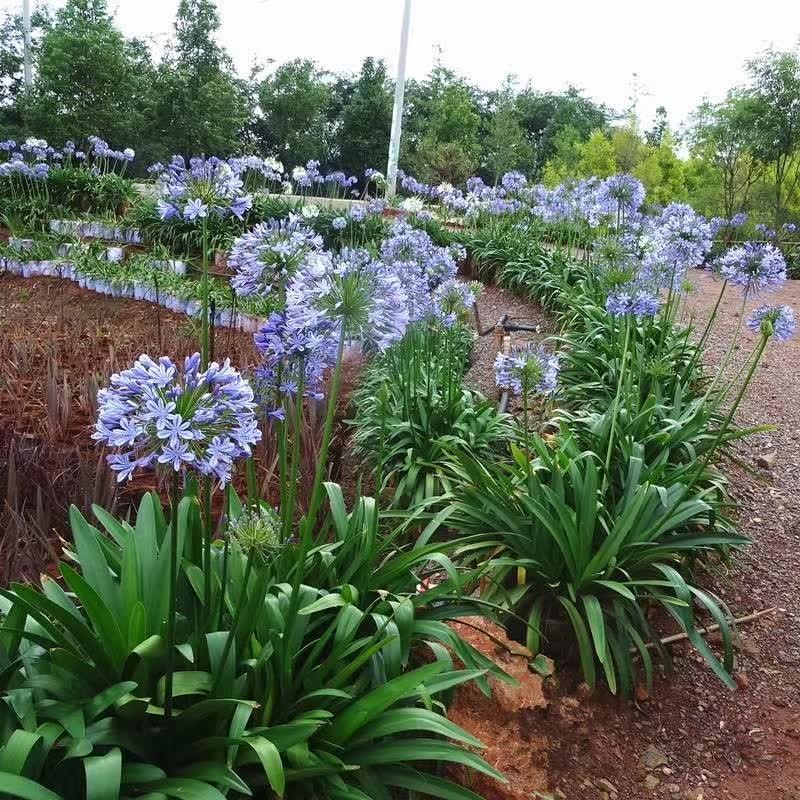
682	50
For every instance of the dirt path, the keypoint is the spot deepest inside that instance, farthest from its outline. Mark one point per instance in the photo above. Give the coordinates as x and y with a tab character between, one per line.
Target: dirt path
695	739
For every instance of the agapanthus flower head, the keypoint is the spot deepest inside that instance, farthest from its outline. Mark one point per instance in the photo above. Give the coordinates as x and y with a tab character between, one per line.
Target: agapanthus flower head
257	530
269	254
298	345
789	227
620	196
527	369
159	414
632	300
339	223
208	183
615	254
420	265
412	205
777	321
513	181
755	266
680	240
453	300
310	211
356	293
738	220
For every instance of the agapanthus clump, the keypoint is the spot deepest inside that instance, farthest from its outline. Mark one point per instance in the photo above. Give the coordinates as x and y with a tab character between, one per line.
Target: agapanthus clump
266	256
209	186
777	321
527	370
157	413
754	266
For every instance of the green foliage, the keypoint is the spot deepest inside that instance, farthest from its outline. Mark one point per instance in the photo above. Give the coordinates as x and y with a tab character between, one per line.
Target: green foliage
506	145
295	101
412	411
89	78
319	695
566	555
197	105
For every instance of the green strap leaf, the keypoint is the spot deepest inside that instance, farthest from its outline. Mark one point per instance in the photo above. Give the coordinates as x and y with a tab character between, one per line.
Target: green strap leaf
103	775
25	789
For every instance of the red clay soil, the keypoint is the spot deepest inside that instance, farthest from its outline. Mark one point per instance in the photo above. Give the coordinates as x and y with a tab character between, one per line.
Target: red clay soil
693	738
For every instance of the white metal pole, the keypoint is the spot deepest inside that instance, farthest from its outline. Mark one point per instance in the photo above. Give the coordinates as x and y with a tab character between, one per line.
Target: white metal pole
26	28
399	97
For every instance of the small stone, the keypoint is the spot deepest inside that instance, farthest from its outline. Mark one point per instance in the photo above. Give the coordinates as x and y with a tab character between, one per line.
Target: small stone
653	758
651	781
606	785
767	460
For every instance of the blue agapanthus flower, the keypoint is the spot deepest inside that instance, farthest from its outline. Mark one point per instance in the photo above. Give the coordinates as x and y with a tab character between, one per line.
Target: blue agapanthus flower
513	181
777	321
339	223
207	186
158	414
354	291
297	346
632	300
528	368
420	265
620	196
755	266
269	254
738	220
681	238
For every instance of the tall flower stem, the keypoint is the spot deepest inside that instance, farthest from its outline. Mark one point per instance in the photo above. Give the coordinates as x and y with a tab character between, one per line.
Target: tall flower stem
615	405
322	457
729	353
706	331
723	429
173	590
288	517
208	488
204	292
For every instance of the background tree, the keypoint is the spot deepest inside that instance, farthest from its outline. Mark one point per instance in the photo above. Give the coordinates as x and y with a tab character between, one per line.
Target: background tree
506	146
295	102
363	137
775	97
198	105
90	79
450	147
545	115
12	63
723	134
